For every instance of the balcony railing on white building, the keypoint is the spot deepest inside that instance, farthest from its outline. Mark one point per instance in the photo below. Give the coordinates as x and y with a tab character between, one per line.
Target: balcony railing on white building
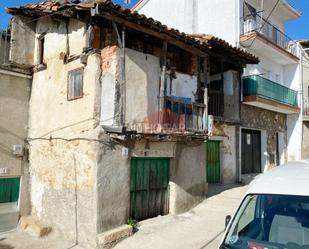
258	24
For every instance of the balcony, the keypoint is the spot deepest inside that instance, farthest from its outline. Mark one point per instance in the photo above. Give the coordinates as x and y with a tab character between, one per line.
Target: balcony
258	32
180	115
266	94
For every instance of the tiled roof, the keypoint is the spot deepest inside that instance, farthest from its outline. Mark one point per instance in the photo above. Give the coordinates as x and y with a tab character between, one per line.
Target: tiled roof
205	43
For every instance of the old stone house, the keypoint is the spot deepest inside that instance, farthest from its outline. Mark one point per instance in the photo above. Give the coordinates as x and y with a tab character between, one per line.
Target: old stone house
117	116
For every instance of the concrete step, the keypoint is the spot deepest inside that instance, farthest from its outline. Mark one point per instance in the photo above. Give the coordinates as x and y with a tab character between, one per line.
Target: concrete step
8	221
9	216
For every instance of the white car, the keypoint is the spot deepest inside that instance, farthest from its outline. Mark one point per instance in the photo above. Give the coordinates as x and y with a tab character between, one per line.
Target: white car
274	214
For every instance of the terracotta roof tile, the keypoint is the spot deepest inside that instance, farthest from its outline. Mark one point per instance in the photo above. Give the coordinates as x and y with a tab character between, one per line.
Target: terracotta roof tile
201	41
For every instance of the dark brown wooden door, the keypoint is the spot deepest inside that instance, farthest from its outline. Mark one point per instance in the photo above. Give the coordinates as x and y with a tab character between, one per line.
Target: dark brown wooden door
250	152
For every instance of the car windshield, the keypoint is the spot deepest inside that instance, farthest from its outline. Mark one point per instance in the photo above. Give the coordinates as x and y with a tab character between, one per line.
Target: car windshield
270	222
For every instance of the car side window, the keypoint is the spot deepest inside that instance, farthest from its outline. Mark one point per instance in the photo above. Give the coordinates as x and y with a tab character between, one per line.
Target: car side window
248	215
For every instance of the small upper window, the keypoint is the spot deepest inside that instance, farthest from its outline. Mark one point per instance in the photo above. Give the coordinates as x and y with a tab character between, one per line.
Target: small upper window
75	84
41	42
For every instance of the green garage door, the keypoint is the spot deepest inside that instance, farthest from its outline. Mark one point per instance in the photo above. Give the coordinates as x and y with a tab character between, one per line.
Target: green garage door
9	189
149	187
213	162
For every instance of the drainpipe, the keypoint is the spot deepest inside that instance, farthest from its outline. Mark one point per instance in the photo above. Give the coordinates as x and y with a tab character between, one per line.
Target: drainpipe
121	44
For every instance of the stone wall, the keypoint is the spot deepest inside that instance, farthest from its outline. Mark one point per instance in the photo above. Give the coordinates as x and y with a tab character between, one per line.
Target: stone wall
63	187
271	122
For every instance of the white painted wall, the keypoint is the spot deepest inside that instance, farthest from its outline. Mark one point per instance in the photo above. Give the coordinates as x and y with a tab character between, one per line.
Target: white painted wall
178	14
306	78
281	148
291	77
227	135
183	85
219	18
294	128
264	154
267	69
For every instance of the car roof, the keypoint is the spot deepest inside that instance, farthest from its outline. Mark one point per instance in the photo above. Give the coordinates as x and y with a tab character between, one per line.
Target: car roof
288	179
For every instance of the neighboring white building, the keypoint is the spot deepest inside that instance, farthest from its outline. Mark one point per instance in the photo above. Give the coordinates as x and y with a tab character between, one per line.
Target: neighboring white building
270	131
304	65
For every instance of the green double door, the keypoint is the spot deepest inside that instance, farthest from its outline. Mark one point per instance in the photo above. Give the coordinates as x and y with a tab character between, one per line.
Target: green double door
149	190
9	189
213	164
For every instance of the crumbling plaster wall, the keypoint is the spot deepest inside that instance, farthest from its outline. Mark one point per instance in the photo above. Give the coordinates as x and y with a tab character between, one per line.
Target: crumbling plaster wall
110	81
183	85
63	138
4	48
142	87
188	185
143	74
22	40
227	135
187	177
271	122
14	103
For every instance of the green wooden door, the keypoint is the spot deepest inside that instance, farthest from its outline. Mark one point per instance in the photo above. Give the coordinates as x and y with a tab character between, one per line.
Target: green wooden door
9	189
213	162
149	187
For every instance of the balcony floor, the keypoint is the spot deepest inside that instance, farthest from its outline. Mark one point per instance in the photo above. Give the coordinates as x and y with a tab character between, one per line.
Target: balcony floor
267	48
270	105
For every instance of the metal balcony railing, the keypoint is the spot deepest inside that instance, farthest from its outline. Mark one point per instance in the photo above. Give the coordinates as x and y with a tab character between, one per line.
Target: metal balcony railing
181	115
256	23
256	85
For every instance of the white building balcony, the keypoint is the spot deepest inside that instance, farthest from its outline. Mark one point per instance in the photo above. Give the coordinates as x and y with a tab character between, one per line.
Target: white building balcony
260	35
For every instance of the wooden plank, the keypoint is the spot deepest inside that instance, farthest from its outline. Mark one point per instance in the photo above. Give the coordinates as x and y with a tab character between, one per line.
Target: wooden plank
175	41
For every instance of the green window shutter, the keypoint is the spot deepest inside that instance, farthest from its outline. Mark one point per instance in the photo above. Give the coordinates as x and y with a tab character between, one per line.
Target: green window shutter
9	189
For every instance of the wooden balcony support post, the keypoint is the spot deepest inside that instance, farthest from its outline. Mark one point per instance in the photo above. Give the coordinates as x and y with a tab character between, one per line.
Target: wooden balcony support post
207	82
161	96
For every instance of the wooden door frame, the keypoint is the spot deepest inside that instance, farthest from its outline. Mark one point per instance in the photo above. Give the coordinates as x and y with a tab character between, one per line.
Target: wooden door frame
221	157
240	148
168	183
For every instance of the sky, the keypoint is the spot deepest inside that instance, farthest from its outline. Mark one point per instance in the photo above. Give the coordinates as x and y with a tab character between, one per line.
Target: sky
297	29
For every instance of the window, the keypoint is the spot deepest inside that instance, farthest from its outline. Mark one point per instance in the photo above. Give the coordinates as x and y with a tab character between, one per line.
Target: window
41	41
75	84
